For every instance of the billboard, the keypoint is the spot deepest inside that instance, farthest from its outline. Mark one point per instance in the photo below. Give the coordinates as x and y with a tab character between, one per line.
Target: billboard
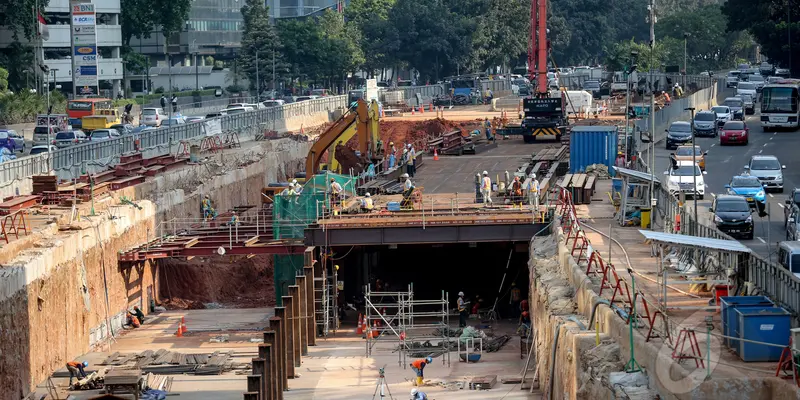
84	48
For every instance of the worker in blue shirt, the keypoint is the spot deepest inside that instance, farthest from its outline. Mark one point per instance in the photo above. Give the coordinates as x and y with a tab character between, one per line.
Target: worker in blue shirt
417	395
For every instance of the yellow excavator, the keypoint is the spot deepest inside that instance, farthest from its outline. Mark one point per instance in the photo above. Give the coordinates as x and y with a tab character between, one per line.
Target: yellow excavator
361	120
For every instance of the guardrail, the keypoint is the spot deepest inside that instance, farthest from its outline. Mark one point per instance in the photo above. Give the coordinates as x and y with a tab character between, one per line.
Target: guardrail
70	162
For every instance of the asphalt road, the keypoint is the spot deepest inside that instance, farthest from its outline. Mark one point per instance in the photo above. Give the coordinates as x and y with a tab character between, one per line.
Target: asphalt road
723	162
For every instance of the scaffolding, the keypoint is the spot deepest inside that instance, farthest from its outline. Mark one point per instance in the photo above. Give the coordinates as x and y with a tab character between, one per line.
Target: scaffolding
399	318
326	309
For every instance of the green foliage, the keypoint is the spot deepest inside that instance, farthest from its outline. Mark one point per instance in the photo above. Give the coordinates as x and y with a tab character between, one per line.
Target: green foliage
136	62
17	16
209	60
124	102
159	90
171	15
767	22
17	59
137	18
234	89
3	80
260	43
619	57
22	107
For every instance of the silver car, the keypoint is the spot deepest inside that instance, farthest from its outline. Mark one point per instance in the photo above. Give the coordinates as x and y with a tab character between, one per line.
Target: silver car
69	138
768	170
152	117
11	139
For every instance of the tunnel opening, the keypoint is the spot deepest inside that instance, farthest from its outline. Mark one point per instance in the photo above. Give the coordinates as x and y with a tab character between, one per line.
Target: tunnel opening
477	269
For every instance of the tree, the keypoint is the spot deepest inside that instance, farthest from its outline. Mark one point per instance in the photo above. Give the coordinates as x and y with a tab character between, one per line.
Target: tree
369	18
768	22
340	51
18	17
260	42
136	19
3	80
17	59
301	47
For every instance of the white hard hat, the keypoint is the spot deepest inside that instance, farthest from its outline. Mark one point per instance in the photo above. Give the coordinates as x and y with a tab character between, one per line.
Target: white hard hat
461	294
404	176
294	181
533	175
485	173
405	151
414	391
368	195
409	145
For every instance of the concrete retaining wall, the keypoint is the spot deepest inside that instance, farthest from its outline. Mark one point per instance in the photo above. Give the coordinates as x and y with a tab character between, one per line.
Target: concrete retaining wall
668	379
53	283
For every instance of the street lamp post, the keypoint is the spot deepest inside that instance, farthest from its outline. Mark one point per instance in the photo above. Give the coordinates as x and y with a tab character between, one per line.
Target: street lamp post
694	161
49	107
685	70
258	87
632	68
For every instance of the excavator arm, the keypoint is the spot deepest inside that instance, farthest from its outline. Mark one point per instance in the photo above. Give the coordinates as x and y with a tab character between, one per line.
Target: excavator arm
358	117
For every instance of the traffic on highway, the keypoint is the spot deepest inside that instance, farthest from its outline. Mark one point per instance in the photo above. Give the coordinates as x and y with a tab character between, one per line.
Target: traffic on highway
748	180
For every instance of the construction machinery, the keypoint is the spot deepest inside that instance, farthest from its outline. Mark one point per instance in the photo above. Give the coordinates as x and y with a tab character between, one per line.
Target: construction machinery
362	121
544	113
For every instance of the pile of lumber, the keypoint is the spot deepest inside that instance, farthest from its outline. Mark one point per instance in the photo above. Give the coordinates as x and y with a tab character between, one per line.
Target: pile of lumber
448	143
169	362
581	186
551	154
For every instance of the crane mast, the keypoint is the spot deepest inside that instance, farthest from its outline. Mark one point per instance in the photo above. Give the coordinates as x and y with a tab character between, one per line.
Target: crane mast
537	52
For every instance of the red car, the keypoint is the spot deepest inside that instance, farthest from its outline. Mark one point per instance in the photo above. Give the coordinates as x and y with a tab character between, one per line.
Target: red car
734	132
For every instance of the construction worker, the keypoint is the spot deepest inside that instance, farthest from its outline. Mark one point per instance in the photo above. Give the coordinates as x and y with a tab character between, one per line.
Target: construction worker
132	321
486	189
408	190
515	299
76	369
620	162
533	191
336	191
417	395
138	313
462	310
412	157
488	126
404	158
667	99
208	209
379	148
234	219
418	366
516	192
366	203
164	103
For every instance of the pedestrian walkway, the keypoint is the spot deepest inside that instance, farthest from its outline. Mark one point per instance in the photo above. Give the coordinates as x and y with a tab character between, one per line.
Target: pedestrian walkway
630	252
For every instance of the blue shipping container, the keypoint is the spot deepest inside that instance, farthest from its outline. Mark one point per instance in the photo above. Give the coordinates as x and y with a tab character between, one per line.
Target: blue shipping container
592	145
728	306
770	325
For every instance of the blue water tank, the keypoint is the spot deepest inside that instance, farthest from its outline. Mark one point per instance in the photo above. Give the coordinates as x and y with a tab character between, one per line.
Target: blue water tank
767	325
592	145
728	306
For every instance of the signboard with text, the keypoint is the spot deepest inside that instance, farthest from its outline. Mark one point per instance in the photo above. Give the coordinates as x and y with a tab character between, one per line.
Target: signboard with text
84	48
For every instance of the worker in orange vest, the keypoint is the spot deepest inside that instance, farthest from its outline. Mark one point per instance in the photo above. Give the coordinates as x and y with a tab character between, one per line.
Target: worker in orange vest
418	366
677	223
75	369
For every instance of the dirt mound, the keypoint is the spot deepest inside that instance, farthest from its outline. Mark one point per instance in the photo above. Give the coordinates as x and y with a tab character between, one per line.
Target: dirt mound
231	281
413	131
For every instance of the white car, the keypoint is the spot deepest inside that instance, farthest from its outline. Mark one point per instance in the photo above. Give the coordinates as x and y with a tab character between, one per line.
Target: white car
757	80
749	88
682	179
152	117
732	80
238	110
724	114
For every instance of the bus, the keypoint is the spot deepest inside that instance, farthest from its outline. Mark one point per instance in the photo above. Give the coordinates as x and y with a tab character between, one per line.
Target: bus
79	108
779	105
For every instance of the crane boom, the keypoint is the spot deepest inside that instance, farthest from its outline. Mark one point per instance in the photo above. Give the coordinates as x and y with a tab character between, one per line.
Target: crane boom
539	10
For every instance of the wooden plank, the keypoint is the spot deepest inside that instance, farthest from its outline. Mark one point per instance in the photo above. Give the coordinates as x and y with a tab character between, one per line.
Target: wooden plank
565	181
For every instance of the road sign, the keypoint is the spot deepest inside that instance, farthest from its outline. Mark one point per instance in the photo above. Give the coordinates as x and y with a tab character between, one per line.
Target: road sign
86	80
87	50
80	40
84	48
86	70
83	8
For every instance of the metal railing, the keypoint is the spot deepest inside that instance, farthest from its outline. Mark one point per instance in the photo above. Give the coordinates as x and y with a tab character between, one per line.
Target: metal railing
90	157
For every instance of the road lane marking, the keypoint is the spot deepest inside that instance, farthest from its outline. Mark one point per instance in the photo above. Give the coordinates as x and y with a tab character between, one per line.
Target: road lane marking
712	144
760	151
781	205
762	240
765	145
770	195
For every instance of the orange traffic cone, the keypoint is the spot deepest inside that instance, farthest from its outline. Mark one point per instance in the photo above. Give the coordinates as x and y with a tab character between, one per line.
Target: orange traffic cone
435	155
179	333
421	109
412	111
183	325
431	107
374	331
302	131
359	329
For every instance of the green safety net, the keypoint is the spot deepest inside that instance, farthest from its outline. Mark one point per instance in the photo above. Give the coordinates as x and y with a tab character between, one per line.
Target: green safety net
292	214
286	267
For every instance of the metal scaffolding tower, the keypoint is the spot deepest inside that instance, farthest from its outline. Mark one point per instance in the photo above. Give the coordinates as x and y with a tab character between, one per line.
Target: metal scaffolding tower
397	316
326	307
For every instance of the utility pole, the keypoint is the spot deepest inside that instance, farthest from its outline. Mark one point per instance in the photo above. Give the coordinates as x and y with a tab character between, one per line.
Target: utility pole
49	106
652	18
696	195
258	87
274	89
685	68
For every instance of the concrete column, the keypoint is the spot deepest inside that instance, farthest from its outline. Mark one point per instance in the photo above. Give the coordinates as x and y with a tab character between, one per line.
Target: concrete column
267	385
116	87
288	304
250	396
312	309
303	298
259	367
270	338
278	324
297	334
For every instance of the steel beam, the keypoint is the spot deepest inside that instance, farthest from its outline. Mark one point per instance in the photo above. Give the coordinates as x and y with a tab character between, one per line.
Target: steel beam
429	235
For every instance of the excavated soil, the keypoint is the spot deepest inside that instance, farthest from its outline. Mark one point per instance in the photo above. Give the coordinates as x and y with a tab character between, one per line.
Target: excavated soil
233	282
